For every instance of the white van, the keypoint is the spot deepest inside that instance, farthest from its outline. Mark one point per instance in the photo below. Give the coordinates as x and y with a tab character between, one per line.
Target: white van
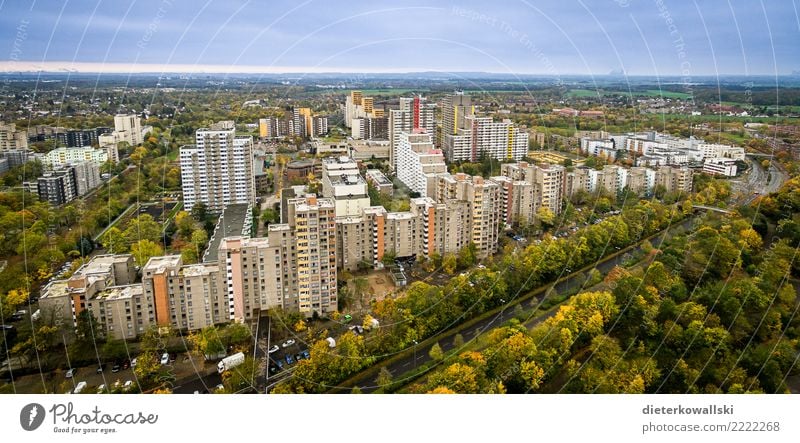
79	387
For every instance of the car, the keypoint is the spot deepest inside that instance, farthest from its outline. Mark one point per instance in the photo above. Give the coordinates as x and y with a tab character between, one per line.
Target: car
79	387
279	363
128	384
172	357
274	348
70	373
299	356
133	362
115	368
220	387
348	318
126	364
288	343
99	370
306	354
164	358
101	388
289	359
273	369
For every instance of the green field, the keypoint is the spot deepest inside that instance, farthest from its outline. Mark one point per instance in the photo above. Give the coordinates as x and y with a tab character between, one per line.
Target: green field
584	93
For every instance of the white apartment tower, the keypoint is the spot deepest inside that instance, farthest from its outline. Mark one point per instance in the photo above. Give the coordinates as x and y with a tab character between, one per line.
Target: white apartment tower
218	169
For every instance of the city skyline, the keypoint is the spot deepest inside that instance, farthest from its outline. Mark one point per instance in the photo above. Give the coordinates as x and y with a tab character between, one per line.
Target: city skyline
553	38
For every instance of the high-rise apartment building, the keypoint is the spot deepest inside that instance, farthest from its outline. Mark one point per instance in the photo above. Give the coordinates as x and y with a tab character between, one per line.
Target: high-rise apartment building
549	181
485	201
218	169
419	162
413	114
483	137
313	222
455	107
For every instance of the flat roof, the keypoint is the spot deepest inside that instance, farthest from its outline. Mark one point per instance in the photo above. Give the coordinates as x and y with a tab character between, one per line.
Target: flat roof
119	292
231	223
158	264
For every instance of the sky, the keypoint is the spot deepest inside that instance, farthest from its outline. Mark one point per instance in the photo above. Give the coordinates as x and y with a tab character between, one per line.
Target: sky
562	37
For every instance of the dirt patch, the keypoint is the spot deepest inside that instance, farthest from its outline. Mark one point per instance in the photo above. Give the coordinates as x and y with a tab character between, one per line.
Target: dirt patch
380	285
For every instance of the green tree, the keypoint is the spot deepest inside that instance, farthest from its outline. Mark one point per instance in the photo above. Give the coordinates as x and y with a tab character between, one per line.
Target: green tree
384	379
449	264
436	352
114	241
143	250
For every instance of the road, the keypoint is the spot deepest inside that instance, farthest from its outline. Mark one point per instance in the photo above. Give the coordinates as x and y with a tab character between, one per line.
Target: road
419	355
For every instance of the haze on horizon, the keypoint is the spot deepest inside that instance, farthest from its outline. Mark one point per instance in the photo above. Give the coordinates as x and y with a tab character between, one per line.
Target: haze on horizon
658	38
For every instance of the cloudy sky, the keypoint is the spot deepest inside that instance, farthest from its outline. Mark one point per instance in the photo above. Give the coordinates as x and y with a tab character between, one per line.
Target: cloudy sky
641	37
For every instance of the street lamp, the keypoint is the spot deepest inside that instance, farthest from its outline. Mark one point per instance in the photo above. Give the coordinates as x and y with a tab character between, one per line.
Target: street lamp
415	354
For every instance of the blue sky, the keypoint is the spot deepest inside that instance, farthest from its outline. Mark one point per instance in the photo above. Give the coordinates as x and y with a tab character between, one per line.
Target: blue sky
529	36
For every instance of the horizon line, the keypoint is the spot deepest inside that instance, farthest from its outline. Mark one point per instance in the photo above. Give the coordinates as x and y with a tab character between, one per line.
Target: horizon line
66	67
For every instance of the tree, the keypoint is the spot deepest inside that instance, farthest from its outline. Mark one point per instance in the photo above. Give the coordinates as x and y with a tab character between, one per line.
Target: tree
545	216
384	379
436	352
13	300
467	256
242	376
185	224
458	341
356	390
143	250
270	216
449	264
143	227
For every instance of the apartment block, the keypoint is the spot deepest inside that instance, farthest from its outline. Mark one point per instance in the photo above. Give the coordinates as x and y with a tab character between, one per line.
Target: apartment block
313	222
128	128
484	199
549	181
66	299
414	115
483	137
519	200
218	169
674	179
11	138
342	181
419	162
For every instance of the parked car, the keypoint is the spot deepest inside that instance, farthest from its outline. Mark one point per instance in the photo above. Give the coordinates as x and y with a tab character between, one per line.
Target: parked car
279	363
99	369
348	318
101	389
133	362
274	348
115	368
126	364
306	354
164	358
128	384
70	373
288	343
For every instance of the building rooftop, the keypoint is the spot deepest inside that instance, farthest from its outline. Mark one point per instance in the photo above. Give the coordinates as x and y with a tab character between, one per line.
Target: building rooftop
232	223
378	176
119	292
55	288
347	179
103	263
159	264
199	269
